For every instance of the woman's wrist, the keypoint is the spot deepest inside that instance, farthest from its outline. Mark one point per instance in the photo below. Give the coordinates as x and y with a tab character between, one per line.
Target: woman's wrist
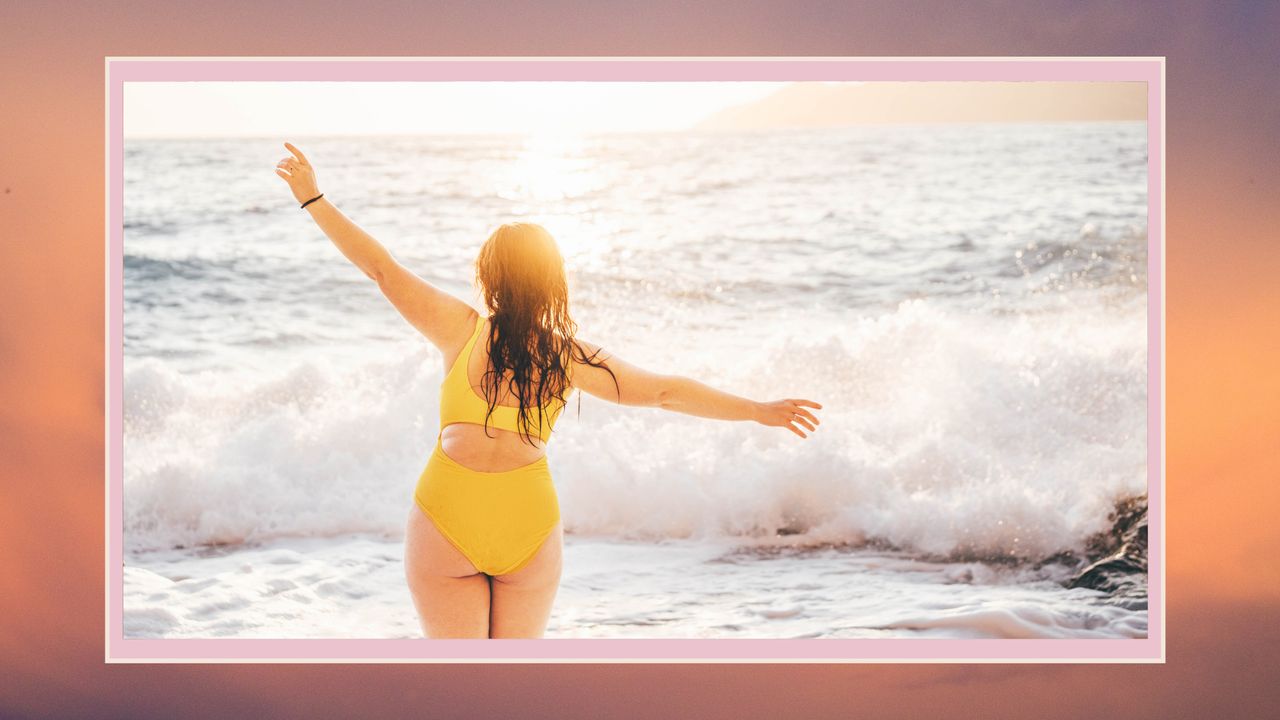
311	199
756	411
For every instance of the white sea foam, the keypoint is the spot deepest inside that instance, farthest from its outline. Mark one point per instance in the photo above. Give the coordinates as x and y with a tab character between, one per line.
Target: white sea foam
943	432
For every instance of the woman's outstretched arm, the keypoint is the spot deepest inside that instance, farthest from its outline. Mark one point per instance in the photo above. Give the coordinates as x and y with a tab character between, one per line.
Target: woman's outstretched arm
444	319
638	387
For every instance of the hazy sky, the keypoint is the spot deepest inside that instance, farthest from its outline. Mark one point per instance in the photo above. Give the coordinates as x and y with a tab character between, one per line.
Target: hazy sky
319	108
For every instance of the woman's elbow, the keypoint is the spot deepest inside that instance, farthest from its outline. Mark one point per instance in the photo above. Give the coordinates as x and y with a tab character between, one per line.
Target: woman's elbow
667	392
381	271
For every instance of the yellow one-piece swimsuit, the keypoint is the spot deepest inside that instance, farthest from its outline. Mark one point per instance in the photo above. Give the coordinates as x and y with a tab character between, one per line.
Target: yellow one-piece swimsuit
498	520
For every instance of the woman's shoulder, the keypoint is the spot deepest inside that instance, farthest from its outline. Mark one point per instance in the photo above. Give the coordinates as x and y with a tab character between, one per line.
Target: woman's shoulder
583	350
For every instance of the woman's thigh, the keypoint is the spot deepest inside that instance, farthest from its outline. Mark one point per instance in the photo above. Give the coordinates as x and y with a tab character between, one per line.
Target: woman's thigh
521	601
452	598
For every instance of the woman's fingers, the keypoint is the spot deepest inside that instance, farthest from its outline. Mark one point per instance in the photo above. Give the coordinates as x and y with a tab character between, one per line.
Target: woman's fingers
807	403
812	418
797	409
790	415
283	174
302	158
795	418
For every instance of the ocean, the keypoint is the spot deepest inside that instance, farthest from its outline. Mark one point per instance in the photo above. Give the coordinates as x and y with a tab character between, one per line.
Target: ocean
968	303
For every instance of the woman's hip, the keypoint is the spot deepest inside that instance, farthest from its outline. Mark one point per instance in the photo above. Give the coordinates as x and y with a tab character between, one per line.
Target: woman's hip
523	496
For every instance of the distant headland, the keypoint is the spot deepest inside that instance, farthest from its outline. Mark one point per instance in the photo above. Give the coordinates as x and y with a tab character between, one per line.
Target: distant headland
831	104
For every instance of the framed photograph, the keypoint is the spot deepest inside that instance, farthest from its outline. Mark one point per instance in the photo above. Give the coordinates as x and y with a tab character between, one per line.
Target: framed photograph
635	360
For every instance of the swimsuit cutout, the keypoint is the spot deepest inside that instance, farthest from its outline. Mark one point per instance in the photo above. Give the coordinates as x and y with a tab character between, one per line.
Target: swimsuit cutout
498	520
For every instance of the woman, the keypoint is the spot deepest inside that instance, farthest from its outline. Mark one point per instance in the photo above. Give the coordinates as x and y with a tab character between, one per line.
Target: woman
483	546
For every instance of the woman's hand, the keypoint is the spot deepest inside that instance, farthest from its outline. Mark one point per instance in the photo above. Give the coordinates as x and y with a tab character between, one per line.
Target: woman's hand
299	174
788	414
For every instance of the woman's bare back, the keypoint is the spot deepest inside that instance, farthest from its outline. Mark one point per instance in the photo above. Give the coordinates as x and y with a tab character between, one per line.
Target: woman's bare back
468	444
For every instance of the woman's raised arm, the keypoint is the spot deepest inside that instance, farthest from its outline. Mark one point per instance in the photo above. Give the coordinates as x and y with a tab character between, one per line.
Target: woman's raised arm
444	319
639	387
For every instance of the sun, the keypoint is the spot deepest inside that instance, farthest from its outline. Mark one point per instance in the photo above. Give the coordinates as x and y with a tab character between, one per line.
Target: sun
552	167
550	181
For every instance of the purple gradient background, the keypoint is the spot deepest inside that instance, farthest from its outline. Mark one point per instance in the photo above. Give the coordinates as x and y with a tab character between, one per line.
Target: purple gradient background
1223	479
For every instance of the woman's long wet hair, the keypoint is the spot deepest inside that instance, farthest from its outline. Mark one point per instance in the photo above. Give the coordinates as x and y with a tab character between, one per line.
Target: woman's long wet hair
531	336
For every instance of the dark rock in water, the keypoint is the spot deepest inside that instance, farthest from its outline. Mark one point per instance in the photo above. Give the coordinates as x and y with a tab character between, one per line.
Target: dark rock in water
1118	558
1129	514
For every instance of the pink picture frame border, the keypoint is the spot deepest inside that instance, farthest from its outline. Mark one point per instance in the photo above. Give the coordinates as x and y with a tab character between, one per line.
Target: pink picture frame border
119	70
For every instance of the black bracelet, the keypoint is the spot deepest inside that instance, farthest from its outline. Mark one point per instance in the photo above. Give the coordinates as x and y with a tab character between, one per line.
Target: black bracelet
312	200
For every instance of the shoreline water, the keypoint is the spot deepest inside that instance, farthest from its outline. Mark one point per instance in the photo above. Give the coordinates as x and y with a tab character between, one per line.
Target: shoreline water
353	587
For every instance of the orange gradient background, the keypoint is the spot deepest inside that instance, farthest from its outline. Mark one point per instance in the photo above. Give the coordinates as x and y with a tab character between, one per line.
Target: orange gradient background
1223	357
